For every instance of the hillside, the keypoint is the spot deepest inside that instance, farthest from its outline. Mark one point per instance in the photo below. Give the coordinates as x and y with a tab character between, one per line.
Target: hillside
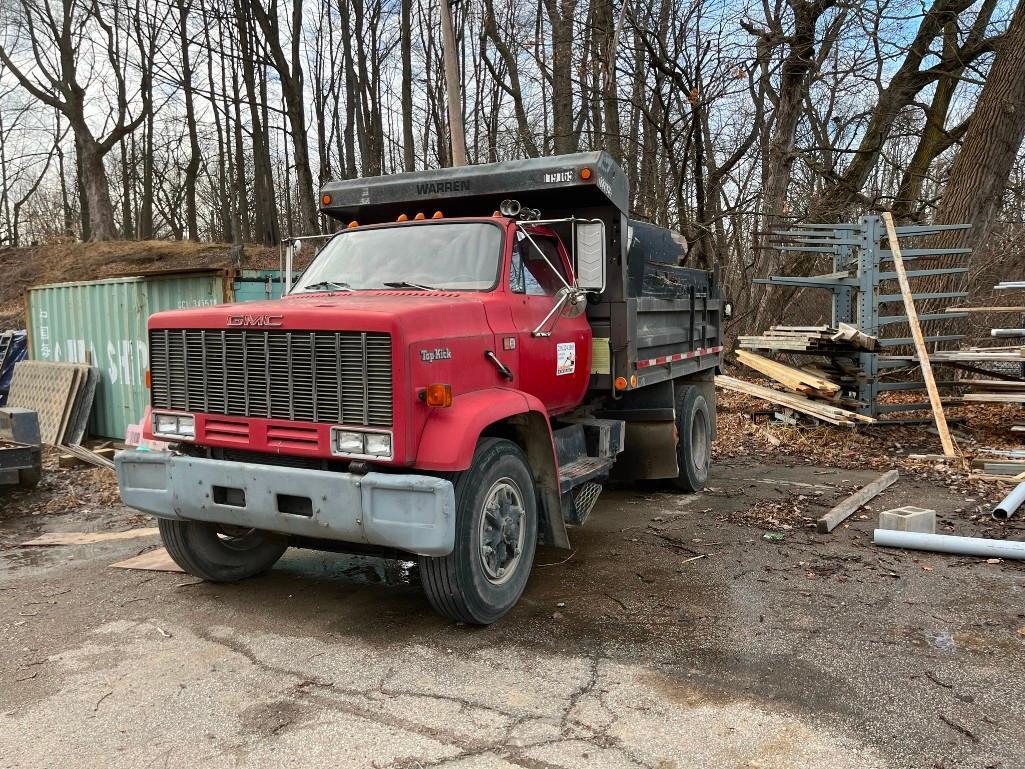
22	268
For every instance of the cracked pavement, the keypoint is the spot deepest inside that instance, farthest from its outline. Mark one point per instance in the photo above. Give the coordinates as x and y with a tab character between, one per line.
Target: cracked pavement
813	652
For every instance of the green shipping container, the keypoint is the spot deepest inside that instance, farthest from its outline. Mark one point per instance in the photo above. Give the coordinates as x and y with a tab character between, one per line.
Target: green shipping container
104	322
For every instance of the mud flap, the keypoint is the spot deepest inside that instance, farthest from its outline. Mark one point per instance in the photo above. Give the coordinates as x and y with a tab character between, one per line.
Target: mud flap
649	452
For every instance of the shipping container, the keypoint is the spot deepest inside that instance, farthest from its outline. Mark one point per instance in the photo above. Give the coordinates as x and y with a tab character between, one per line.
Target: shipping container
103	322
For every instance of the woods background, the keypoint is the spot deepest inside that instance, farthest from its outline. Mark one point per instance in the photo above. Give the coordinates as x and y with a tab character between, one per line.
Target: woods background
218	119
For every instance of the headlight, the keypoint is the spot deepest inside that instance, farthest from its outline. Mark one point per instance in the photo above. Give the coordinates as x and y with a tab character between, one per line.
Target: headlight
355	443
182	426
378	444
348	442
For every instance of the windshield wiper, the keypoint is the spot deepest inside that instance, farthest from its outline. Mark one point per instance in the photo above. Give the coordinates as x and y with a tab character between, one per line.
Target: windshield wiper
330	285
407	284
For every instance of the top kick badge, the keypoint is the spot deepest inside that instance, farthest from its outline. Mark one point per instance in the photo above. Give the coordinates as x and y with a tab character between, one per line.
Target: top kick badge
438	353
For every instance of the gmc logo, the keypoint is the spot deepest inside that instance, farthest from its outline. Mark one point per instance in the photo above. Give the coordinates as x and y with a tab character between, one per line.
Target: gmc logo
255	320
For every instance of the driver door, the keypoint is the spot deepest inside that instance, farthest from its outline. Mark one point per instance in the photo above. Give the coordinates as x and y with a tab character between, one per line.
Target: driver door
554	368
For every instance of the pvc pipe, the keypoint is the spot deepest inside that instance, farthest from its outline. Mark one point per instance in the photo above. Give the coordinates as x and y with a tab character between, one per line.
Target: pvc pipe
1010	504
1007	333
943	543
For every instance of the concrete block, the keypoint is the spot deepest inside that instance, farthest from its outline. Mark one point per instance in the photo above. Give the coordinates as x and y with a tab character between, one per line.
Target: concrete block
909	518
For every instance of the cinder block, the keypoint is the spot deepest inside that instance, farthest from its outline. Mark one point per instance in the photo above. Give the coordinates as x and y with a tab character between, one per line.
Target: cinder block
909	518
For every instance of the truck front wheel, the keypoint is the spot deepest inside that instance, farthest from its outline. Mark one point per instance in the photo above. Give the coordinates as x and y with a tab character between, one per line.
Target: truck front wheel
496	534
694	442
219	553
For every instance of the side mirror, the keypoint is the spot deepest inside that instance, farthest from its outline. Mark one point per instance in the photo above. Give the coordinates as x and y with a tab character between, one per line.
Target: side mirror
589	238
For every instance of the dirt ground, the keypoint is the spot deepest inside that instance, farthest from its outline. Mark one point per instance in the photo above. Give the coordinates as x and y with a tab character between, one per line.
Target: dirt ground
23	268
708	630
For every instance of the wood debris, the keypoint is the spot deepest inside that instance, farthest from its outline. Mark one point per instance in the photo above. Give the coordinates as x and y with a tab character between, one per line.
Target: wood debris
818	409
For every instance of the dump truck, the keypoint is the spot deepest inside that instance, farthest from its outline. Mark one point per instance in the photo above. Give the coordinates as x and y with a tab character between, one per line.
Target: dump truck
452	380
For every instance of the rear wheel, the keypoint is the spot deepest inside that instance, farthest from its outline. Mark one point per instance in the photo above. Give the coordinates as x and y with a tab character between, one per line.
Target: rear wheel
694	443
219	553
496	534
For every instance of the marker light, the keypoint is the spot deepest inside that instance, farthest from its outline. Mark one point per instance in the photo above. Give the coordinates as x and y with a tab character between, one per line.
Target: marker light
585	173
353	224
621	383
437	215
149	380
420	216
325	200
402	218
438	395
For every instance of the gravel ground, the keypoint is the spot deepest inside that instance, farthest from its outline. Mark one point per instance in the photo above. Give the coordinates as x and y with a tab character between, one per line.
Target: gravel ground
674	635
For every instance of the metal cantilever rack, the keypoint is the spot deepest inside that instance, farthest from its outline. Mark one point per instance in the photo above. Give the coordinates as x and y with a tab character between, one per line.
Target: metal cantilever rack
864	289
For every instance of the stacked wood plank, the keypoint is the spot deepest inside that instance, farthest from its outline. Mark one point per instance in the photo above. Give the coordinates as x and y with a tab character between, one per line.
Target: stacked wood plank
818	409
817	340
800	380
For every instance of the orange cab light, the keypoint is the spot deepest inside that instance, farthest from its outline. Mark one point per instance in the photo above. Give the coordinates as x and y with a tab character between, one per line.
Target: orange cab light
353	224
419	216
402	218
439	395
633	380
149	380
585	173
497	213
325	200
621	383
438	215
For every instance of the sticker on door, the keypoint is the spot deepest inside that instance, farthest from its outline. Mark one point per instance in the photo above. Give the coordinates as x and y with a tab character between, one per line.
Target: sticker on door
565	358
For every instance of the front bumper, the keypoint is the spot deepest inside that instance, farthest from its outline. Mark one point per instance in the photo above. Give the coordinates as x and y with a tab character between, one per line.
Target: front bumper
415	513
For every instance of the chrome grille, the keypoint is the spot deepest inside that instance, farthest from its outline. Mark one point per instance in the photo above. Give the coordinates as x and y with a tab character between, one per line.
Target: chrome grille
342	377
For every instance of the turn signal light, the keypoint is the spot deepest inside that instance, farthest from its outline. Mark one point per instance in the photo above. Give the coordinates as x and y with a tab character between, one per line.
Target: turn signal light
585	173
325	200
439	396
149	380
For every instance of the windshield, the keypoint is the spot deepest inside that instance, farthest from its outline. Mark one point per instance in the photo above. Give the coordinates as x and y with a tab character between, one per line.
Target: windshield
463	256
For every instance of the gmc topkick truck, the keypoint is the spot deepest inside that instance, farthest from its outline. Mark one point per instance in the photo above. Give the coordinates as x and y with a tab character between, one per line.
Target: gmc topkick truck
451	380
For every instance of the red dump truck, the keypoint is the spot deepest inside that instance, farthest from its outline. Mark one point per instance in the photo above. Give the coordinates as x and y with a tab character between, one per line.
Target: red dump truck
451	380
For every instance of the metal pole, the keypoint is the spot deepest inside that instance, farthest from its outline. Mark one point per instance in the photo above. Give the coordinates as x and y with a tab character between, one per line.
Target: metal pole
455	111
944	543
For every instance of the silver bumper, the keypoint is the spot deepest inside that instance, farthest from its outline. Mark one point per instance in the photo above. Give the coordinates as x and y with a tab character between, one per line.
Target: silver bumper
415	513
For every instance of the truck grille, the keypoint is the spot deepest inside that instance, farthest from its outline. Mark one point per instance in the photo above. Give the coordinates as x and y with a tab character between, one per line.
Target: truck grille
342	377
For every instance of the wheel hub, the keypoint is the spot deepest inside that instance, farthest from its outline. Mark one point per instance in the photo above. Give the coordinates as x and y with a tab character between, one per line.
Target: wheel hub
501	531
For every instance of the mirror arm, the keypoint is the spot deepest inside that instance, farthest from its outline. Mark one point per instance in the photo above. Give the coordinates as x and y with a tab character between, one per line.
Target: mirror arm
565	295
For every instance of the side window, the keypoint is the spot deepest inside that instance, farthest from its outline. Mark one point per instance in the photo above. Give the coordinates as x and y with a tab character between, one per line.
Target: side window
532	272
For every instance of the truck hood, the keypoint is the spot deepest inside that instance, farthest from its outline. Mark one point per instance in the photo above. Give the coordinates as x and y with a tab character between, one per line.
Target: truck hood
416	314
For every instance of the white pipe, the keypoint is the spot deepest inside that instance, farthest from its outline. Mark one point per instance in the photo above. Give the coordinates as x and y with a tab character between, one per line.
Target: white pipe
943	543
1011	503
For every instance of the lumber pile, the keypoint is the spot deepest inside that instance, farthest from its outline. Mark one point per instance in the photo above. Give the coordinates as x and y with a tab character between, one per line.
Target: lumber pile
818	409
817	340
61	393
806	381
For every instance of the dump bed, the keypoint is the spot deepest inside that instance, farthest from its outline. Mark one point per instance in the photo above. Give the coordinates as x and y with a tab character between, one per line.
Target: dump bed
654	321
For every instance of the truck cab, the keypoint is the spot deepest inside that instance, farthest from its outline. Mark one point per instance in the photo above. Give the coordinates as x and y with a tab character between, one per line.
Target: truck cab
451	379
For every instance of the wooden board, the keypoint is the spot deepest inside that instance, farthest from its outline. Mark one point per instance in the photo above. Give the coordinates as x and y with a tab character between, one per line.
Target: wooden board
154	560
845	509
788	376
87	537
919	337
817	409
985	309
995	397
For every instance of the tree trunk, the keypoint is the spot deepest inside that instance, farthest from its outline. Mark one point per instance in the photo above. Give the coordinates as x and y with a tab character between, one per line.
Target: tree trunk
561	17
192	168
981	170
95	187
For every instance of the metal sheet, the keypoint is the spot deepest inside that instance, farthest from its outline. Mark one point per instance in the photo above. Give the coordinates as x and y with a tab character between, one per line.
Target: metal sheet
104	321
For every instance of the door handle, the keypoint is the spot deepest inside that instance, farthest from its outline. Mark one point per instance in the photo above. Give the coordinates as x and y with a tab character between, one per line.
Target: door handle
502	368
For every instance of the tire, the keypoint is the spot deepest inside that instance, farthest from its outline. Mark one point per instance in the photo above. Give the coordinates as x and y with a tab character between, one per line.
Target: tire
219	554
467	585
694	445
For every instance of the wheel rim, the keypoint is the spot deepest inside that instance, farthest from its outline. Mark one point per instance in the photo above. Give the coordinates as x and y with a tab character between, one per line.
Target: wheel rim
238	537
699	440
502	533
